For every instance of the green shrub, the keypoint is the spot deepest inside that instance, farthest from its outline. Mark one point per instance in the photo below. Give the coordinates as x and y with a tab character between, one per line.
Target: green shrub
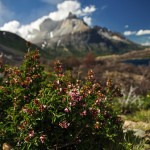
146	101
52	110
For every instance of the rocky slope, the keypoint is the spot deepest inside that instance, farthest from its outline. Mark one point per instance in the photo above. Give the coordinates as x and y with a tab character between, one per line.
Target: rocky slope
13	47
74	36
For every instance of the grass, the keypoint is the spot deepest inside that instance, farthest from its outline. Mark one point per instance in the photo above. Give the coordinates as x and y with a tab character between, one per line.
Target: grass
142	115
141	146
138	120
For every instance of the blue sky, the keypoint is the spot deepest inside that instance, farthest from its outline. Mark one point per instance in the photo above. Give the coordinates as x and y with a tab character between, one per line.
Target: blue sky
129	17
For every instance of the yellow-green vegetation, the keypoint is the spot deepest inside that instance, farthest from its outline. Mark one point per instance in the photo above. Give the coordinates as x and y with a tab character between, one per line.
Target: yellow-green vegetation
142	115
136	116
141	146
137	125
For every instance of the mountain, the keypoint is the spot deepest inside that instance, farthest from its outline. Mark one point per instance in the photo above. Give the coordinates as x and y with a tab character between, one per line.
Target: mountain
13	47
69	37
73	36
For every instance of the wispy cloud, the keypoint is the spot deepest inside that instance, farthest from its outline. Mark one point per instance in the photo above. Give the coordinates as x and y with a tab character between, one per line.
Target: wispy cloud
143	32
137	33
63	9
126	26
88	9
145	41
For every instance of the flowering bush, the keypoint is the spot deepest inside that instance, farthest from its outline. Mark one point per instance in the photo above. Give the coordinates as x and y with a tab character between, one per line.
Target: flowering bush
52	110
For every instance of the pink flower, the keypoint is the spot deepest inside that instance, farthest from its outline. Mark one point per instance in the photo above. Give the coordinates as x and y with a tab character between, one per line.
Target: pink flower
25	110
42	107
84	105
83	113
31	133
42	138
66	110
94	112
75	95
90	109
64	124
87	126
72	103
69	86
58	82
60	89
97	102
98	111
97	125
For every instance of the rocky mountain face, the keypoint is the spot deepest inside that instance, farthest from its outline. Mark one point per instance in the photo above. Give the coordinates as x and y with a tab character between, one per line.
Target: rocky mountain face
73	36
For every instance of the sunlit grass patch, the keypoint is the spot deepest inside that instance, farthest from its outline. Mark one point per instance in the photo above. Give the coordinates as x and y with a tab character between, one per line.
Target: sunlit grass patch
143	115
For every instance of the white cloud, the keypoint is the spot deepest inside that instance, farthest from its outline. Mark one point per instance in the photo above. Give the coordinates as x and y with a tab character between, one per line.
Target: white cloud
89	9
29	31
143	32
137	33
25	31
11	26
88	20
128	33
64	8
5	13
